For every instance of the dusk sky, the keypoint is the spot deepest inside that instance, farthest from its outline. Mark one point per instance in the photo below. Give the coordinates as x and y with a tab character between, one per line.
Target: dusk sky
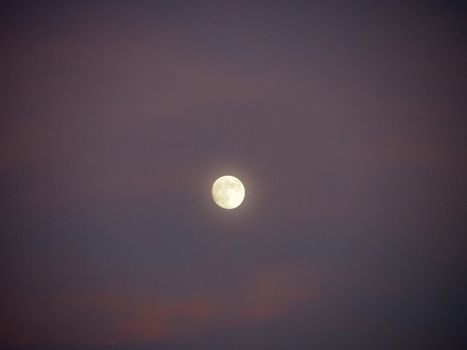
345	120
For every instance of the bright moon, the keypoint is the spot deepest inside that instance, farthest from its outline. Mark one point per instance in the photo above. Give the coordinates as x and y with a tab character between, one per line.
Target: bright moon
228	192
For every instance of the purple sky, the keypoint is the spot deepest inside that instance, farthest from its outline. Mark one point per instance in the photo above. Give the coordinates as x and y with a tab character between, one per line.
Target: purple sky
346	121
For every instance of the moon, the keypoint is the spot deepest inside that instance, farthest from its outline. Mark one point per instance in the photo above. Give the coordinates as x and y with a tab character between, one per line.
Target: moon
228	192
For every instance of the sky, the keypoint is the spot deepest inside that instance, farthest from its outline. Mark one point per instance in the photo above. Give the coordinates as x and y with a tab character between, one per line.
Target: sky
346	122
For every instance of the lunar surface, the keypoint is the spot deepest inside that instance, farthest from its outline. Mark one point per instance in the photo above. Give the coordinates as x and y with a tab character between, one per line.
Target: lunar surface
228	192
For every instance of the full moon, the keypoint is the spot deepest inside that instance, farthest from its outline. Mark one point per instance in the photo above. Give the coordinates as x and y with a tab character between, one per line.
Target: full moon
228	192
